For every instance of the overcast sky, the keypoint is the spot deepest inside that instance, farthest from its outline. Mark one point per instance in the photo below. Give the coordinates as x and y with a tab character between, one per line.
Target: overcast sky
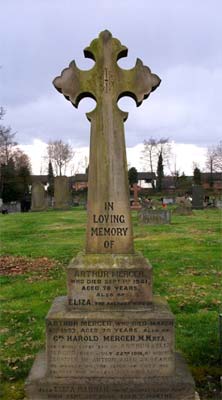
180	40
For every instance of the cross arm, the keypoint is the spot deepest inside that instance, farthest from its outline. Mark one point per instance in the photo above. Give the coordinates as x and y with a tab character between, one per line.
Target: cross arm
137	82
75	84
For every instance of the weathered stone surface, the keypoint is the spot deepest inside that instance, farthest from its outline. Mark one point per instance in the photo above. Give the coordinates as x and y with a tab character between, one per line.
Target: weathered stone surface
183	211
106	280
179	386
154	217
120	347
39	200
112	343
61	193
197	197
218	204
183	201
136	203
108	189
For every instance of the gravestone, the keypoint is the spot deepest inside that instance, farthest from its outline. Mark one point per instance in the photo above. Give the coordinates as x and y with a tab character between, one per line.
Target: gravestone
12	207
197	197
218	203
61	193
154	217
183	210
39	200
184	206
109	338
168	201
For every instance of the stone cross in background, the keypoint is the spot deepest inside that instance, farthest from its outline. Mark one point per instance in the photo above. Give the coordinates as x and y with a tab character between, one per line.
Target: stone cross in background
109	228
136	203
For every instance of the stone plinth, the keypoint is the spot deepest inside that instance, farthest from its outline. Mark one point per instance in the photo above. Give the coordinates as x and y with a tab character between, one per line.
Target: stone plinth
109	339
179	386
111	343
106	280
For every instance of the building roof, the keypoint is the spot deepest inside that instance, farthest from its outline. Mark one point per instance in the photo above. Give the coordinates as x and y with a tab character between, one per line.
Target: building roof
80	178
215	176
39	178
146	176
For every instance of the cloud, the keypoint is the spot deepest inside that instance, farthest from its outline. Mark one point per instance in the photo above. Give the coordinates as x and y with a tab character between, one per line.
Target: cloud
179	40
183	158
185	108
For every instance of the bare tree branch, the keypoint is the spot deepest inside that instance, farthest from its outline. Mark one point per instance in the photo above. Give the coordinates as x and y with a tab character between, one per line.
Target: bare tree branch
214	158
60	154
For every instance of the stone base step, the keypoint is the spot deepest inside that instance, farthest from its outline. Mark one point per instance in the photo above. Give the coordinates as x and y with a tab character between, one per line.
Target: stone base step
180	386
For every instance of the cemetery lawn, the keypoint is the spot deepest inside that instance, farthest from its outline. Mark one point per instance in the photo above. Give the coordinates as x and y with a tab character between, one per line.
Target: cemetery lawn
187	270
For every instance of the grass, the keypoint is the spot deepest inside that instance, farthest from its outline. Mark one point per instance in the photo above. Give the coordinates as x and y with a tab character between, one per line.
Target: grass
186	259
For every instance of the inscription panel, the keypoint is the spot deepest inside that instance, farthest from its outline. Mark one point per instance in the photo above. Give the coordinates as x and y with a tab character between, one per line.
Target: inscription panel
179	386
110	225
110	348
102	392
109	287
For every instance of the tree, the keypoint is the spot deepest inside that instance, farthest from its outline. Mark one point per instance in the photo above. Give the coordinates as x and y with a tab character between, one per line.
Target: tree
183	183
133	176
2	112
7	143
210	164
160	173
50	189
23	172
15	166
21	159
60	154
9	189
214	158
197	176
151	152
218	157
164	147
15	177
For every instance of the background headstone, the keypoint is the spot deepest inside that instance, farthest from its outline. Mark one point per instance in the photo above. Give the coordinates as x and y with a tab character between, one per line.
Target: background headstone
39	199
154	217
197	197
218	203
62	196
136	203
183	206
168	201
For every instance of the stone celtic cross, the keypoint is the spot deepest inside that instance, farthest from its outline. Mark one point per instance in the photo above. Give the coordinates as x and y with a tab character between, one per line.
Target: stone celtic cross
109	227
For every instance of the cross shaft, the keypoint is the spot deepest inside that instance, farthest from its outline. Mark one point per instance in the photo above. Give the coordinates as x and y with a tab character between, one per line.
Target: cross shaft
109	227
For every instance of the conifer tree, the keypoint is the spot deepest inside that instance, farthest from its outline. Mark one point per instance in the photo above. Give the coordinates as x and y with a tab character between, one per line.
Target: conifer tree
133	176
160	173
197	176
50	180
